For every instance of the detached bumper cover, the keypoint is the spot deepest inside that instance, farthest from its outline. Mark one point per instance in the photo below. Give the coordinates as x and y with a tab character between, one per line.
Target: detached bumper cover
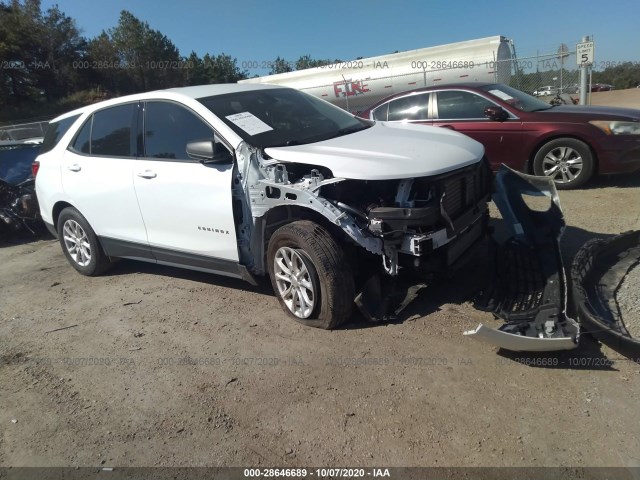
598	270
529	289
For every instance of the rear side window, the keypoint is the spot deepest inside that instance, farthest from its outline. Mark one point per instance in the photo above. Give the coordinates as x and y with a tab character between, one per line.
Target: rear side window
413	107
55	131
169	127
380	113
82	143
111	131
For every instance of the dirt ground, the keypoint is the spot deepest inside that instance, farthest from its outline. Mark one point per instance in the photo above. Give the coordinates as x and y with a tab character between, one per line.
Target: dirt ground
167	367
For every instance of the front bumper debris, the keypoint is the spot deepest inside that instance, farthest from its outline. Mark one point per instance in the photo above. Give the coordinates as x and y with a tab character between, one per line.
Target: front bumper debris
528	288
598	270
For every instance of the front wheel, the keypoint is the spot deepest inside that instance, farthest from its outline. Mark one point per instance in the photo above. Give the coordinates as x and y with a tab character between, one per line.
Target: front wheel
310	275
569	162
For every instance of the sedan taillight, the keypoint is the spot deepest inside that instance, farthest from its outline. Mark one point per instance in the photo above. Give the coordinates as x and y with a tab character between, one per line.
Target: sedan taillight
35	166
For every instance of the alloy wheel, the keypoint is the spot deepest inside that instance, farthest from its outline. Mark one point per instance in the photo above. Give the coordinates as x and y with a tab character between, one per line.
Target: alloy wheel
294	283
562	164
76	242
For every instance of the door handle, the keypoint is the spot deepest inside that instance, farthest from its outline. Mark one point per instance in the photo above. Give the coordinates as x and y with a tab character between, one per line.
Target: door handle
74	168
450	127
147	174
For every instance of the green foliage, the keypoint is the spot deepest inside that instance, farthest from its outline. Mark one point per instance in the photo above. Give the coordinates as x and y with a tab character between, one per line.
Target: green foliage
38	51
212	69
305	61
621	76
49	68
133	57
45	61
280	65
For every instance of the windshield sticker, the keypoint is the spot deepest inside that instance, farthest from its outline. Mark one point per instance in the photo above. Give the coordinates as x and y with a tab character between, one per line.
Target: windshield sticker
249	123
501	94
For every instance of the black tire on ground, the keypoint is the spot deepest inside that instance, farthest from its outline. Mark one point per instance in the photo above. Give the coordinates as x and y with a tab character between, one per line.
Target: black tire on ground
565	149
324	264
98	261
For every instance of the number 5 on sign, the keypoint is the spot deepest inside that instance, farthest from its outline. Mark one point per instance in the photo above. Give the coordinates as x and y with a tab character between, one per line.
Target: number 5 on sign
584	53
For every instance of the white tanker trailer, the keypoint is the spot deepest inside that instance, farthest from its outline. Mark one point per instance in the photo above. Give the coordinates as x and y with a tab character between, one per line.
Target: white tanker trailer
356	84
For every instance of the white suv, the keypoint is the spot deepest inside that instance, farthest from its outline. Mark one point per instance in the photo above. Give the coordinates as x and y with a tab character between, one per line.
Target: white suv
245	180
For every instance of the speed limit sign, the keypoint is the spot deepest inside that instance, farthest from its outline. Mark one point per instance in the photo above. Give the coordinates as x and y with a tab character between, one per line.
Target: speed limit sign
584	53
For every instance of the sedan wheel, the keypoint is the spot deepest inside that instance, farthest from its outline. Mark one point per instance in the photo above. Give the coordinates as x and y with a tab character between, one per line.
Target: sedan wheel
563	164
567	161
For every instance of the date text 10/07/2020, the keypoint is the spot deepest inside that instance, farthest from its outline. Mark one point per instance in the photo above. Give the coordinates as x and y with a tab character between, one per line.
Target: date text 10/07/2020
316	472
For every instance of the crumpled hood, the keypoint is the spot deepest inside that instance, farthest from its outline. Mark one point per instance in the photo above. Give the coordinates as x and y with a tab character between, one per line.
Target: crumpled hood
387	151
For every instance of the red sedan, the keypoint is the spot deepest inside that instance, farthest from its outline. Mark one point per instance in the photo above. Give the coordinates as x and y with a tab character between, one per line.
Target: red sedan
568	143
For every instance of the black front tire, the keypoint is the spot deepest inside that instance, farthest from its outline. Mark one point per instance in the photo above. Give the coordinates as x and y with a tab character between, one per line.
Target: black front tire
80	243
323	267
557	159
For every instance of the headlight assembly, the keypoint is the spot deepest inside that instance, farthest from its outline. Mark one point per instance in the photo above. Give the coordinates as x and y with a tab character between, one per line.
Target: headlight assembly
615	127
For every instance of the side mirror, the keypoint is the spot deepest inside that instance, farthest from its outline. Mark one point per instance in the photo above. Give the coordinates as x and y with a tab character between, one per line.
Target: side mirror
208	151
496	113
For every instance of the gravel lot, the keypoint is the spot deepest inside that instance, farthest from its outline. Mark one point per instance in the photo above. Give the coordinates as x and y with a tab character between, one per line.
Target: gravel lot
628	298
161	366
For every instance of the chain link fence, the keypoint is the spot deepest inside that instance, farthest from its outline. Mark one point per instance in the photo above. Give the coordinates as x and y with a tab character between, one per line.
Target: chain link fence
17	132
546	75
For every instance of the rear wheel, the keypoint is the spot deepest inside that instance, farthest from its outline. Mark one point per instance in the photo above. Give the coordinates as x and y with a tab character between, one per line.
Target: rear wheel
80	243
567	161
310	275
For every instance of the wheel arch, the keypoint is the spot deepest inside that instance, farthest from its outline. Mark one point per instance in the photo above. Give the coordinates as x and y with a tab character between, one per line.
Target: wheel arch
57	209
282	215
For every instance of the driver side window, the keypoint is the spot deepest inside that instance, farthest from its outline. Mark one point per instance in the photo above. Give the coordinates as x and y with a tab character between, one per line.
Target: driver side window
169	127
458	104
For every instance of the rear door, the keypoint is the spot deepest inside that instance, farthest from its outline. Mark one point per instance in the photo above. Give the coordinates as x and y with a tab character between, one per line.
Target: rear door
463	111
97	176
186	205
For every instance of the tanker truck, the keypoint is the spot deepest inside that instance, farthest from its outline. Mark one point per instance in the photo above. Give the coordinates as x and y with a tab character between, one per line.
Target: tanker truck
354	85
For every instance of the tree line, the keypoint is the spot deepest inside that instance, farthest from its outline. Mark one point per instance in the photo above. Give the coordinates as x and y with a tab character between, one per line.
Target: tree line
48	67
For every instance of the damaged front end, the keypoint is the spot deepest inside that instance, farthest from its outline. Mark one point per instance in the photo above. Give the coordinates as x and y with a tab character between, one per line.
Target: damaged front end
423	224
528	290
18	207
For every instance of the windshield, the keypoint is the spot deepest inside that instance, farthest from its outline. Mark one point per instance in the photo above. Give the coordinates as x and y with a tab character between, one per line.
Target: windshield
281	117
517	99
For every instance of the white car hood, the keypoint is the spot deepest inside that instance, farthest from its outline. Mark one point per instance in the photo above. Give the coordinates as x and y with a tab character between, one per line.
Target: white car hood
387	151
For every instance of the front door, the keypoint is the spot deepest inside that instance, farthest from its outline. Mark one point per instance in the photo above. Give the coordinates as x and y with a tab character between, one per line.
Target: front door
463	111
186	205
